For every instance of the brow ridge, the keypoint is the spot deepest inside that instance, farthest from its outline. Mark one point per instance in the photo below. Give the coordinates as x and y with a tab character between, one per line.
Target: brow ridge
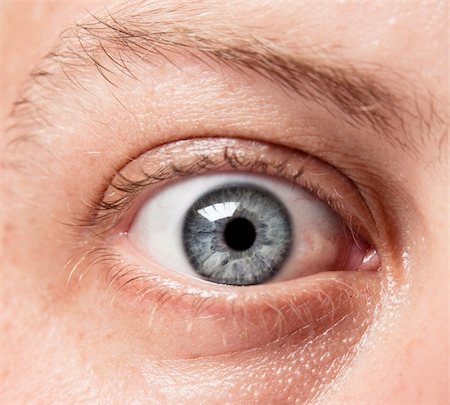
109	43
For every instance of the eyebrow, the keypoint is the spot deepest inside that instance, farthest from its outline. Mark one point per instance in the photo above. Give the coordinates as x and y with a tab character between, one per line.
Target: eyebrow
110	44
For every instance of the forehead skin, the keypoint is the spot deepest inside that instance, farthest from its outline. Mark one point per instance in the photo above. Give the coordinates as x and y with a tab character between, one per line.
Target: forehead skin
413	364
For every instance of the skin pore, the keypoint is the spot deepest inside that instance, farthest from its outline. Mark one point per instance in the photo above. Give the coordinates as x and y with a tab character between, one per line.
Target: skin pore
347	99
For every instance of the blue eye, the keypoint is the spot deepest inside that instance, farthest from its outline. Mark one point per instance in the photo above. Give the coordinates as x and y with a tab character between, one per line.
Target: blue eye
242	229
237	234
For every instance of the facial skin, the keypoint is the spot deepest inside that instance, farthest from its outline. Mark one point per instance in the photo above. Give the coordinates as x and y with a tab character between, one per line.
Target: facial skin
359	90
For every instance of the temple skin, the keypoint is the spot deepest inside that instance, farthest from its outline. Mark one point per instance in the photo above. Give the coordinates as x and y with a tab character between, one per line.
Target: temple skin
74	342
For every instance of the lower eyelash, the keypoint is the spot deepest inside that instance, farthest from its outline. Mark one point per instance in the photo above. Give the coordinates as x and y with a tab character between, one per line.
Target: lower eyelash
286	313
79	266
128	278
99	254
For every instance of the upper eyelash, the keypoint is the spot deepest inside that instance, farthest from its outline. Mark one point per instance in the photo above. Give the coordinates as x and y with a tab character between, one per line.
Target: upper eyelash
104	214
103	211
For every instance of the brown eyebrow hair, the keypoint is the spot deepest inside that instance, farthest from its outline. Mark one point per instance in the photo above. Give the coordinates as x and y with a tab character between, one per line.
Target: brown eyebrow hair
365	93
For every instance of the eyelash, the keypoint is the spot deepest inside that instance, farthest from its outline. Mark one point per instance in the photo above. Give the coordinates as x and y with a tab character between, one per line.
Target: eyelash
104	215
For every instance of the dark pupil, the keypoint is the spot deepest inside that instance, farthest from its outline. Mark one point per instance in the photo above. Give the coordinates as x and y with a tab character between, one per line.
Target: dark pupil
239	234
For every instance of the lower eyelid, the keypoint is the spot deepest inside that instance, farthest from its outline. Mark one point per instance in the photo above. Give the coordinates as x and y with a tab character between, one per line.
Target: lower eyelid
219	320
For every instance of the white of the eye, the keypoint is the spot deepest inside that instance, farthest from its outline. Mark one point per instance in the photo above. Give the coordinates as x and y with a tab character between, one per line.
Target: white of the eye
156	231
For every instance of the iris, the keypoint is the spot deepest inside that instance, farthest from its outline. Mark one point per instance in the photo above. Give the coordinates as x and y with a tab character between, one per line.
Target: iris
237	234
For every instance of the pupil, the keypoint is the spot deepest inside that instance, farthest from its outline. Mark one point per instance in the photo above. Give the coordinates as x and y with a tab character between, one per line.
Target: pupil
240	234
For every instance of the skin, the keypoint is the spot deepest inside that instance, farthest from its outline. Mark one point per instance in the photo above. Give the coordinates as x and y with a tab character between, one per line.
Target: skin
79	341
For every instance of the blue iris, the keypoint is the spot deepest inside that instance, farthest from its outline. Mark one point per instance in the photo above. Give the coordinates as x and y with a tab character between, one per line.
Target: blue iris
237	234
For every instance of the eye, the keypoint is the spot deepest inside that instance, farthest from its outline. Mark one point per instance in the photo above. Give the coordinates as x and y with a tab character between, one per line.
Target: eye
243	229
221	241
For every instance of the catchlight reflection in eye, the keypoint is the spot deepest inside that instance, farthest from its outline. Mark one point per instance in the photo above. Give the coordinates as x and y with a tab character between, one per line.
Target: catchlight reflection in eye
243	229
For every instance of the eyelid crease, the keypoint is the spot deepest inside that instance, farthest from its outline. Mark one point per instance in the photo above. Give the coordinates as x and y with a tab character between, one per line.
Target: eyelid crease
208	155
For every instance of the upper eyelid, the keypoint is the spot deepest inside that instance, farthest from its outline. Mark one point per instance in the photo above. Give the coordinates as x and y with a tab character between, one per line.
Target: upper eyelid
108	44
108	210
